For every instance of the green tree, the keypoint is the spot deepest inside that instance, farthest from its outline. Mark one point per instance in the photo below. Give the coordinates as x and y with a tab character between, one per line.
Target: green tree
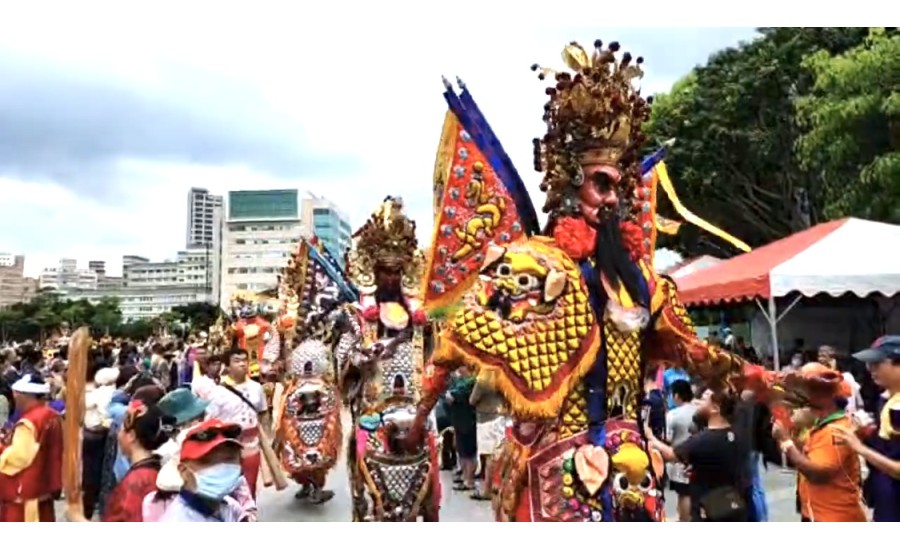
733	119
164	323
45	319
851	118
136	330
107	315
10	323
199	315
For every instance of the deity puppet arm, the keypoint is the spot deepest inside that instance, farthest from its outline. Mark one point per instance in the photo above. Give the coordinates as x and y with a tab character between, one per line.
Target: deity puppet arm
676	339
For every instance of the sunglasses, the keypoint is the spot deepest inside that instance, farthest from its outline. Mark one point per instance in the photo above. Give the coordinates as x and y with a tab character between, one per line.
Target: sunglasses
228	432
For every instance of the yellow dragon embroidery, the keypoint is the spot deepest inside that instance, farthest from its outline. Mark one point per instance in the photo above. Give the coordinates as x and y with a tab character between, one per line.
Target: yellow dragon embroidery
489	210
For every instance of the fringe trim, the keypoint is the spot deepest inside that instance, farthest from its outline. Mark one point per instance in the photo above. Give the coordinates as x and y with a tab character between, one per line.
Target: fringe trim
452	354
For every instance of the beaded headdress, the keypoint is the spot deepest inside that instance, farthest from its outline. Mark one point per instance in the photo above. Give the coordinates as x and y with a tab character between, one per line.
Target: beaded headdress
386	241
594	116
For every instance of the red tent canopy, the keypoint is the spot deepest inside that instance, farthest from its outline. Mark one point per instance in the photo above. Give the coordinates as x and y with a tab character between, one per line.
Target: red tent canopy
747	276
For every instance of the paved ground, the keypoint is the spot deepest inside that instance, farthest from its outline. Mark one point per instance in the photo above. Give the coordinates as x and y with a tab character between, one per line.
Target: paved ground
281	506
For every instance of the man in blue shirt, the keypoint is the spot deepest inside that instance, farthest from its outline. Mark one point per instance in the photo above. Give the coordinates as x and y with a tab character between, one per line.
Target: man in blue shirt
670	375
882	449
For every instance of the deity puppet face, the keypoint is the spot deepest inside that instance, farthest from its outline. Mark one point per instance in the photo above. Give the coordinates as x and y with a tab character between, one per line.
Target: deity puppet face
388	279
598	196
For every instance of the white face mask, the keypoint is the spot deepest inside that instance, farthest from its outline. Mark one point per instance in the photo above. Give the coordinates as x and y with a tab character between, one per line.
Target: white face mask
217	481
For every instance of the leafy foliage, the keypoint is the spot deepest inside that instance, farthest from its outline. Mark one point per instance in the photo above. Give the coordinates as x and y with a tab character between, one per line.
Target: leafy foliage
734	162
851	119
47	314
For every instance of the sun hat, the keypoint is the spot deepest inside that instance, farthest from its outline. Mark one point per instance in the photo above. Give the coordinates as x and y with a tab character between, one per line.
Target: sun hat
183	405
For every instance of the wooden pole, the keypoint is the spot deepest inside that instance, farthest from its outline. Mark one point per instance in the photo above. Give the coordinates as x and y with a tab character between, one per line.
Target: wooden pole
73	423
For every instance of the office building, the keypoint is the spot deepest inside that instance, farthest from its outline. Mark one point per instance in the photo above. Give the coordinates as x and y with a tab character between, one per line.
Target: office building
328	223
148	289
200	211
191	268
260	231
67	278
146	302
14	286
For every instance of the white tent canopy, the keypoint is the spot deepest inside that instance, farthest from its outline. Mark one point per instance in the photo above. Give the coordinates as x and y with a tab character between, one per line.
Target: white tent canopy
860	257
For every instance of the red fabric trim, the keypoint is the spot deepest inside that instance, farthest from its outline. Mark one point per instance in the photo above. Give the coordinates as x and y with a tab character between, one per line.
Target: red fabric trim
747	276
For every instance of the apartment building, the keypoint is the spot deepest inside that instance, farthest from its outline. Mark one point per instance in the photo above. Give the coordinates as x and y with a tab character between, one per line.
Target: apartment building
14	286
200	217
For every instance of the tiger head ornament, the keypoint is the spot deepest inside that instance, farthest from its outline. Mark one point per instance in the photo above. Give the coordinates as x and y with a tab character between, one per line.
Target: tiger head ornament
527	325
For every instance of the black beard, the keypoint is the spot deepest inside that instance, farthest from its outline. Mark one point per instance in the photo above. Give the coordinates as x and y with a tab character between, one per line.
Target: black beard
388	294
613	261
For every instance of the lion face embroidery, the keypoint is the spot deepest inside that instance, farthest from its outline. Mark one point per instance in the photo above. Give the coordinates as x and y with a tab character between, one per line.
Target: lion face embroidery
529	319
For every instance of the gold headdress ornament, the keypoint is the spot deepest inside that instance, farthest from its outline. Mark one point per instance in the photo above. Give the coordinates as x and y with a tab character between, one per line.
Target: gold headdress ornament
387	240
594	116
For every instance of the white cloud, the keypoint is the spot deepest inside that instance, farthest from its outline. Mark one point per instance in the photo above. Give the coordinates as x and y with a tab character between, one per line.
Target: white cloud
357	89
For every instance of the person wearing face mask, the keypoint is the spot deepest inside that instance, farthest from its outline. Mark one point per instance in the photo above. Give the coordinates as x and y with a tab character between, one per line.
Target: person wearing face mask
210	469
143	430
188	411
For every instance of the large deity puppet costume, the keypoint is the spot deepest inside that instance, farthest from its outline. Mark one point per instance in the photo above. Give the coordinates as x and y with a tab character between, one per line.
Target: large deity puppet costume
562	325
250	329
312	291
381	361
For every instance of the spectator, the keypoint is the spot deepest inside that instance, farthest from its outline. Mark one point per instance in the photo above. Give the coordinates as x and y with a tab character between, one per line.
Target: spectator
654	404
210	469
882	448
828	472
143	431
462	416
490	429
679	427
670	375
716	461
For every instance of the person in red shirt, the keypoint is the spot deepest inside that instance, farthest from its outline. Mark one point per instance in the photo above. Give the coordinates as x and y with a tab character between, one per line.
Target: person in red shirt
145	429
31	457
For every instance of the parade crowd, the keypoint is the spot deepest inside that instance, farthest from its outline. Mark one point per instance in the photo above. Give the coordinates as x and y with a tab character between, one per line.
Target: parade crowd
171	433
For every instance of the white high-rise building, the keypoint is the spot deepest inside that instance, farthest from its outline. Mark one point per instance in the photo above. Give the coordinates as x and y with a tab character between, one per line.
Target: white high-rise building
201	209
260	231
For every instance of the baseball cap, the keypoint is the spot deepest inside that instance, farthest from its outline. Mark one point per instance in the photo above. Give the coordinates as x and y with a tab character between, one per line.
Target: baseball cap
886	347
207	436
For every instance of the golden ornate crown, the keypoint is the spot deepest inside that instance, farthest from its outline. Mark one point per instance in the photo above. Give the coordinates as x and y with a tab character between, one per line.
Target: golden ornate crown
593	115
387	240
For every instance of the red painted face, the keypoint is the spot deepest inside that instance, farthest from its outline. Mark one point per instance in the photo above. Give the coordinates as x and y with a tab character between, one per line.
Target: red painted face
597	195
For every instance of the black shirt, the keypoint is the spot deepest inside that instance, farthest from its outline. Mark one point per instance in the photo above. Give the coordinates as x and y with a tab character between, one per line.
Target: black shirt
655	413
715	460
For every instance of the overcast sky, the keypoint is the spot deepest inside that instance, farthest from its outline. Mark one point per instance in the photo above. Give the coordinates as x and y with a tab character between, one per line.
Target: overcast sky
107	121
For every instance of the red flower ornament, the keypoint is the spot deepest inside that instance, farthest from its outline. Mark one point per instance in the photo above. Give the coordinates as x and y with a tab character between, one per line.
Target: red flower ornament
575	237
632	239
370	314
419	317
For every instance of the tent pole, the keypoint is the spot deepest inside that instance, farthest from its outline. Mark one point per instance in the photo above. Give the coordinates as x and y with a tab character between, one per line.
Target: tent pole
772	317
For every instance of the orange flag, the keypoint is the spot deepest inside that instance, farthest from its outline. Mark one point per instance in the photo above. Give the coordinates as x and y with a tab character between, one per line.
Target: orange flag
473	210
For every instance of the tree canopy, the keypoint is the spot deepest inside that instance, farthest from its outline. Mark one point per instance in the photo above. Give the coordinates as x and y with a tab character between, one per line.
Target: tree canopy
753	127
47	314
851	123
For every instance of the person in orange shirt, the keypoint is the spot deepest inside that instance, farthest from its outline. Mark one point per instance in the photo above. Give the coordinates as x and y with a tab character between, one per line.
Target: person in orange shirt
828	470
